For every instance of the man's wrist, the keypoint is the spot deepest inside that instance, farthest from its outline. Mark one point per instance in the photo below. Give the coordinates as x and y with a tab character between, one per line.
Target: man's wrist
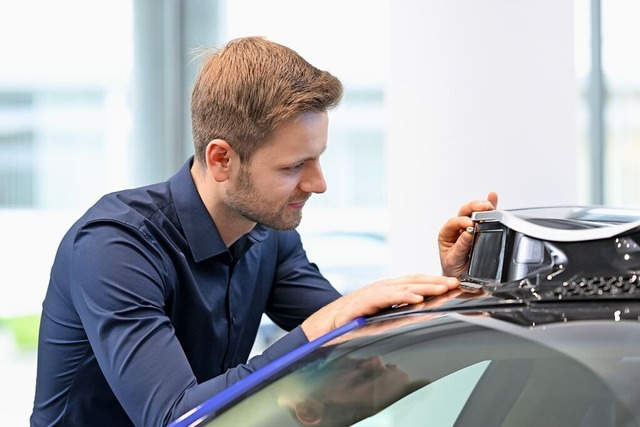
319	323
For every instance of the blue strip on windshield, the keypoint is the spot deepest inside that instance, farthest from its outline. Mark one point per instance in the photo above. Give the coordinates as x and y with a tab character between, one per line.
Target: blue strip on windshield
221	399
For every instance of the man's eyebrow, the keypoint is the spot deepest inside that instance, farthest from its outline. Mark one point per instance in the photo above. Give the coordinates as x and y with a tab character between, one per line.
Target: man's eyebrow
310	157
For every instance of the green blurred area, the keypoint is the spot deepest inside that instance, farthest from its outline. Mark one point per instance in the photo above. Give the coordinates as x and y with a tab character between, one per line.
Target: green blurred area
24	330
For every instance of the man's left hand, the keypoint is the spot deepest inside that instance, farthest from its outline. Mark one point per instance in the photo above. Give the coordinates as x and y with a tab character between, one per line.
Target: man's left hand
454	242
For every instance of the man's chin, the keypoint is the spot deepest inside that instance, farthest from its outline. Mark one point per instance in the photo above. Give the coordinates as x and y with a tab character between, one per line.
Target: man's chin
282	225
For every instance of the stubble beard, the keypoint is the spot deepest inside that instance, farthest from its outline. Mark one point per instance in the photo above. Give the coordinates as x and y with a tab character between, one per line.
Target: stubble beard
245	200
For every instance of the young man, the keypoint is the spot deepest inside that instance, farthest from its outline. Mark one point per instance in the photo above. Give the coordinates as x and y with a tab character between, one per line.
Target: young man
156	293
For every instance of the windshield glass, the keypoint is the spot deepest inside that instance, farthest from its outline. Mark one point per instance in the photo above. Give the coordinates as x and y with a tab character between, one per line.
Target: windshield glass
459	370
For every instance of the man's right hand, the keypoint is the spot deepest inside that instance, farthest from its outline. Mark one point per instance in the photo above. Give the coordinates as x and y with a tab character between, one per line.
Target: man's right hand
372	298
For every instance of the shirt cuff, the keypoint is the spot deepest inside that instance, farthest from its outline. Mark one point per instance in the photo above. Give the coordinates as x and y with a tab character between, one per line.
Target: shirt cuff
284	345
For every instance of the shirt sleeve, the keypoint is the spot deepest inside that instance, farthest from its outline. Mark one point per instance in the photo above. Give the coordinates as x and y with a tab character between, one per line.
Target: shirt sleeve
300	289
116	283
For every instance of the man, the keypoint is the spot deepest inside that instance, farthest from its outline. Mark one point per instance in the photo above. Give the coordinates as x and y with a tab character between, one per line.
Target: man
156	293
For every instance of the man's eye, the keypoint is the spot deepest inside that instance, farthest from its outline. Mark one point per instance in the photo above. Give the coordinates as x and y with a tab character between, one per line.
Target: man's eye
296	168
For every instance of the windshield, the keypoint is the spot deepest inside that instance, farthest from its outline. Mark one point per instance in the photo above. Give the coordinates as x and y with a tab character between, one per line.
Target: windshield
459	370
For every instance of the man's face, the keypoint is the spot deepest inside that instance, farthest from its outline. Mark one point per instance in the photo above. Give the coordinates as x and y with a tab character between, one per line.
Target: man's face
281	176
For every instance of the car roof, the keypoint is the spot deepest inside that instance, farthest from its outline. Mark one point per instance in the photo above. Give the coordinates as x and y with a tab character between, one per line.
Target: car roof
524	312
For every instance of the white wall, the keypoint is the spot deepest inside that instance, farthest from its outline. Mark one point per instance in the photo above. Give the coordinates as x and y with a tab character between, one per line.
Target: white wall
485	102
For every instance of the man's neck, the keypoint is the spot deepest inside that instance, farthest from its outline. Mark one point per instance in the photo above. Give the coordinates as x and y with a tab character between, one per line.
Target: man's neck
230	225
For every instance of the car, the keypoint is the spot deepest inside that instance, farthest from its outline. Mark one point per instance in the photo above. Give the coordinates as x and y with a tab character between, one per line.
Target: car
544	331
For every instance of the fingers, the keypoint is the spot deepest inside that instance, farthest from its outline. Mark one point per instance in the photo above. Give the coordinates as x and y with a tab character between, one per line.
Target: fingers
454	242
450	231
410	289
480	205
493	198
370	299
460	248
416	280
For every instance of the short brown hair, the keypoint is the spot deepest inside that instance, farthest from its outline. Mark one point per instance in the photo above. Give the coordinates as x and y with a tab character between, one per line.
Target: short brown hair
248	87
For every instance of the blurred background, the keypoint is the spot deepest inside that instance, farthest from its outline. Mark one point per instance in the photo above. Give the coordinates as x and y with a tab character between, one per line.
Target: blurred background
445	100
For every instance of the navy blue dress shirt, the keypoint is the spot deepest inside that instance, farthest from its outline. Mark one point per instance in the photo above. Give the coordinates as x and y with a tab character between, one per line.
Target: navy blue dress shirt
148	313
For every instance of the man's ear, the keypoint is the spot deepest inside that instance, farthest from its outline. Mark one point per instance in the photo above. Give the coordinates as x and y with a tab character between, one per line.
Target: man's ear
218	156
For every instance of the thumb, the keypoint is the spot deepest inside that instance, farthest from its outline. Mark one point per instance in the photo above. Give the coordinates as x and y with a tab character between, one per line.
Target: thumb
493	198
464	241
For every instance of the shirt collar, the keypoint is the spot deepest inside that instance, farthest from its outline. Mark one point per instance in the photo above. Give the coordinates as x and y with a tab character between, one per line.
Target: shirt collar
258	233
199	229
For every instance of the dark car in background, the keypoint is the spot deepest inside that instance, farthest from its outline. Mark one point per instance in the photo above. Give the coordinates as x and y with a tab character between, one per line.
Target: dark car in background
544	331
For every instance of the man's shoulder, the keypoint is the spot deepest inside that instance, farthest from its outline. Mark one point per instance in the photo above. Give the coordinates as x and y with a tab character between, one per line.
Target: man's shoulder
130	207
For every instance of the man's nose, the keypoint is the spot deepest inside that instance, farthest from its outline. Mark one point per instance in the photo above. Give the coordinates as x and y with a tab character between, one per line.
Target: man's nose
313	179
